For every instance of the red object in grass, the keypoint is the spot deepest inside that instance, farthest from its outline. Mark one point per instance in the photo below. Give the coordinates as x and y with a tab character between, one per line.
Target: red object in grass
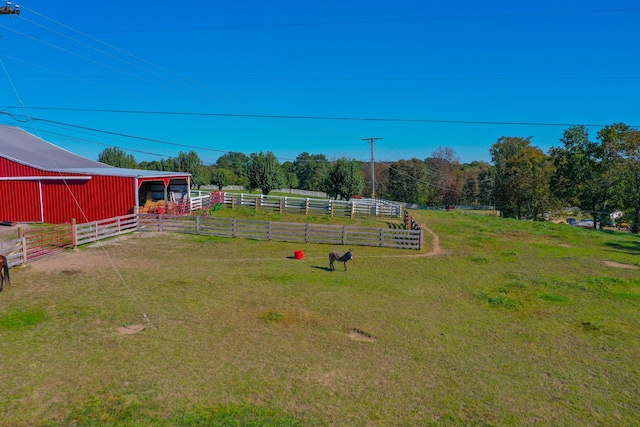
298	254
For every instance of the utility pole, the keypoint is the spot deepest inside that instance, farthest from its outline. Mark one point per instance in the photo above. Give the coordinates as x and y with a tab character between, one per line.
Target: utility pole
9	9
373	171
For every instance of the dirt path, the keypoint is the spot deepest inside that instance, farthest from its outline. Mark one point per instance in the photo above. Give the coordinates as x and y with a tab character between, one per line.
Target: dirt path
435	249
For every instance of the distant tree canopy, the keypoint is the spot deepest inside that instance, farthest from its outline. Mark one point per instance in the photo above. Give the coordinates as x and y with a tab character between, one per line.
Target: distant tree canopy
407	181
220	177
265	172
311	170
238	165
598	176
344	179
115	156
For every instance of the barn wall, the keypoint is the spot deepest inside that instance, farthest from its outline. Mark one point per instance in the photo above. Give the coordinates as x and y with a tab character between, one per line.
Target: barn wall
99	198
20	201
86	200
11	168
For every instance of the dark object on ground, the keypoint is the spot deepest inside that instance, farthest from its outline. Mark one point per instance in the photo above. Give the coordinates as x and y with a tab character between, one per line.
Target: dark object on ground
4	271
339	256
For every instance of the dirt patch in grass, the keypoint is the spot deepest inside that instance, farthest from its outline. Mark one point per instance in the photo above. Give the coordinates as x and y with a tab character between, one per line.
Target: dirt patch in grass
72	262
360	335
131	329
621	265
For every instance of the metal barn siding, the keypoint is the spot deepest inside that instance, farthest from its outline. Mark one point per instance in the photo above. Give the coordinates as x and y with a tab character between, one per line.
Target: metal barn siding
9	168
20	201
99	198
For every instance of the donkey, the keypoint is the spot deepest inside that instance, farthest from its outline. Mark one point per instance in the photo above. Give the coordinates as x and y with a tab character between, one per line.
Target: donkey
4	271
339	256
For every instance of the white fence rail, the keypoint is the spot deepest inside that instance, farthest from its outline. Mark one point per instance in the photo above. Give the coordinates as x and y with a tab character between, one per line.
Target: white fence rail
284	231
297	205
104	229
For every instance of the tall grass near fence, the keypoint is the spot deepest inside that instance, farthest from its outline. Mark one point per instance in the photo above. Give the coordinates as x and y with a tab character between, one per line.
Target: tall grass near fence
521	323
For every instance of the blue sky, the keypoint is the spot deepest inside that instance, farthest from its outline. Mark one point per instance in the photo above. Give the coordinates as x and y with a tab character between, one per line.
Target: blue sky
224	75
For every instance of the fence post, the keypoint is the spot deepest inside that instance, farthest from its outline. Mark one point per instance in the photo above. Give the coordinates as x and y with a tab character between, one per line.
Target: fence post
353	206
282	203
160	227
198	224
381	237
257	199
74	234
234	227
269	232
233	202
23	240
331	208
306	207
344	235
420	244
307	233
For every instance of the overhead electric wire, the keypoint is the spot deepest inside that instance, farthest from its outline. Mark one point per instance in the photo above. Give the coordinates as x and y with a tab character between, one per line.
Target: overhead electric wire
174	76
369	21
328	118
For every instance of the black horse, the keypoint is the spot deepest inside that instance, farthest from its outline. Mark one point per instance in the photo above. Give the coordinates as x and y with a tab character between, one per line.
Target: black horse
4	271
339	256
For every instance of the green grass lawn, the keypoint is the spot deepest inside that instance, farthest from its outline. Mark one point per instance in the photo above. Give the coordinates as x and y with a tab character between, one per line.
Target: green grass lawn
522	323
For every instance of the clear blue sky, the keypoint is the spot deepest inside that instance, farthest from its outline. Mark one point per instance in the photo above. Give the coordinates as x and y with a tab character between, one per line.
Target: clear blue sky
421	67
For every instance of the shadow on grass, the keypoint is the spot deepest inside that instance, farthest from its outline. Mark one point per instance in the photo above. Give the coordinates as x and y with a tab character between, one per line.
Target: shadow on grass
630	247
321	268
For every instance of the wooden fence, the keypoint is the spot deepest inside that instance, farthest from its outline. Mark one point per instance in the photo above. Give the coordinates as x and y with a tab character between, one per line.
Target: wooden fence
47	241
15	251
284	231
92	231
355	208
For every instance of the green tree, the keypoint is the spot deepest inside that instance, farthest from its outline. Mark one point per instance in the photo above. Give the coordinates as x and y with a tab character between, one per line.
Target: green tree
627	189
443	167
407	181
344	179
311	170
238	163
527	193
587	172
220	177
190	162
114	156
501	152
471	176
265	172
290	176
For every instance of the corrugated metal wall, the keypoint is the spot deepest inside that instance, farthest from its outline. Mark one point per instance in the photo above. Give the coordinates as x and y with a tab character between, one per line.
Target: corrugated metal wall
85	200
99	198
20	201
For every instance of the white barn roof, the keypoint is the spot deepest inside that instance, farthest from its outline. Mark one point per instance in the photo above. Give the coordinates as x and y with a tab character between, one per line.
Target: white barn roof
27	149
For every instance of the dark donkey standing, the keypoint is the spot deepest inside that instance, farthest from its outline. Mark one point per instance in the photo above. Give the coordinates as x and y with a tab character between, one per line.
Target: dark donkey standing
339	256
4	271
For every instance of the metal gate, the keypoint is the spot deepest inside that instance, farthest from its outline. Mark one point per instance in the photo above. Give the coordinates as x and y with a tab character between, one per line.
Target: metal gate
44	241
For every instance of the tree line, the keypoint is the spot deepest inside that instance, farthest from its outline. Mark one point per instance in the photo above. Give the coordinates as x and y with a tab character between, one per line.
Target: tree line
598	175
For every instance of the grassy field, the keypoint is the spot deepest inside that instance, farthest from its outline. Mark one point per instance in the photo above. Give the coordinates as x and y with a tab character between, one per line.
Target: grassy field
521	323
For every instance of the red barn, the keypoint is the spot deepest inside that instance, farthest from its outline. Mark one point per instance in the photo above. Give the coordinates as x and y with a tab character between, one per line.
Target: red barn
40	182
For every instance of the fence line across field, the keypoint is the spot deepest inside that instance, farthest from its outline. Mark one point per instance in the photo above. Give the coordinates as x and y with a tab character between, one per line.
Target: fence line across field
297	205
46	241
283	231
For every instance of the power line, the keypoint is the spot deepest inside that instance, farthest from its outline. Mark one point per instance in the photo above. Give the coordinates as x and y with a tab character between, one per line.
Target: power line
335	118
369	21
